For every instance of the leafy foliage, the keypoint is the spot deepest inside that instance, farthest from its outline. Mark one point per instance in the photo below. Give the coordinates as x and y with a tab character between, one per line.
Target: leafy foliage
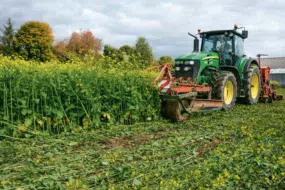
243	148
143	49
127	49
61	52
84	42
58	97
165	59
6	40
275	83
113	53
125	54
139	54
34	41
79	45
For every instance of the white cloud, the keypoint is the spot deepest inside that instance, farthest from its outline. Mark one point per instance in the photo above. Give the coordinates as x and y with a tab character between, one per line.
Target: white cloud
164	23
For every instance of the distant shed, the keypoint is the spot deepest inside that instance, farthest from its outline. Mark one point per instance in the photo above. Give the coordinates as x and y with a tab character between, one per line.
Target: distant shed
277	71
278	75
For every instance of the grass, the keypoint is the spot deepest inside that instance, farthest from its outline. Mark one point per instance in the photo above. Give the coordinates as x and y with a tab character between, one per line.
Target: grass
243	148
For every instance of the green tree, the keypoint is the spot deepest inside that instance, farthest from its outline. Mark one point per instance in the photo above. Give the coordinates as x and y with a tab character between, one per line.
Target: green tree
34	41
127	49
6	40
127	53
165	59
143	49
112	52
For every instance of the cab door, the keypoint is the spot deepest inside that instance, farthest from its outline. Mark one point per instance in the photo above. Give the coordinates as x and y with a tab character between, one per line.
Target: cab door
228	49
238	52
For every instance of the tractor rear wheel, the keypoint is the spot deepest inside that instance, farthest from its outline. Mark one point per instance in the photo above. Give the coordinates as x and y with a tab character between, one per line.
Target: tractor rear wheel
225	89
173	110
253	87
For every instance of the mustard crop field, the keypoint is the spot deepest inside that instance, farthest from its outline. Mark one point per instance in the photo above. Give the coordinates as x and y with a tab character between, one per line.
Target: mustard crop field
56	97
78	126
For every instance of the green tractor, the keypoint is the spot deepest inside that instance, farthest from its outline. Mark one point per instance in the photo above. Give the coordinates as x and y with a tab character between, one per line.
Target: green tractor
214	77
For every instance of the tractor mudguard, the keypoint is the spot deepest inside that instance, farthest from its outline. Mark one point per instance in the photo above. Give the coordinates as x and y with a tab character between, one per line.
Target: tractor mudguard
248	63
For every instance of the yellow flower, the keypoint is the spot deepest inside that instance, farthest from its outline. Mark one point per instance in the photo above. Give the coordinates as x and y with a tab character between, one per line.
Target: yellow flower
219	181
3	183
22	128
237	177
40	122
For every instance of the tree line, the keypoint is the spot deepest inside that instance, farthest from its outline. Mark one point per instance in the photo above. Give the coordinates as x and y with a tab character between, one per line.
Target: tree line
34	40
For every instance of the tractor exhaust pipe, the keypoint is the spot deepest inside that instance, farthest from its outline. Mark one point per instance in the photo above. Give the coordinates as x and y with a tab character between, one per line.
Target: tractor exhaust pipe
259	59
196	42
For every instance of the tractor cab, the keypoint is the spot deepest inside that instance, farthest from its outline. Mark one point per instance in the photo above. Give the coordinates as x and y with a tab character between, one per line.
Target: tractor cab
219	48
227	43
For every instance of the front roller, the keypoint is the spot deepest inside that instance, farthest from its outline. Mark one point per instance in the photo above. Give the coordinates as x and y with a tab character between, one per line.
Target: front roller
178	108
173	109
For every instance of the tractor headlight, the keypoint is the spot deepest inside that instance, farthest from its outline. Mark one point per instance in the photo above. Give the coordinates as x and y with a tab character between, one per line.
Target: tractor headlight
177	68
191	62
187	62
187	68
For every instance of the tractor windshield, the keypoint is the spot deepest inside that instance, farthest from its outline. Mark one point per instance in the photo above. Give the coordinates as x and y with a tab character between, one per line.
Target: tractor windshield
220	43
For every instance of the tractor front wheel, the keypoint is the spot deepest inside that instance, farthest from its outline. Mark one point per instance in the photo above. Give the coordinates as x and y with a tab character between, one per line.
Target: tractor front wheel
225	89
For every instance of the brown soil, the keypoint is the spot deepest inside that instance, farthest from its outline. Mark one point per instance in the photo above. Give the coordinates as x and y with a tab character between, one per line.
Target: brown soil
131	141
208	146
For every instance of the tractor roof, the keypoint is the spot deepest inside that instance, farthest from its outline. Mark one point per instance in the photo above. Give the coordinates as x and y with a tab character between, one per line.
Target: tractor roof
222	32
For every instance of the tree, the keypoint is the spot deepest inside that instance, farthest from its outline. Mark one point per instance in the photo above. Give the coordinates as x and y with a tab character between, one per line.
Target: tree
60	51
143	49
34	41
84	42
165	59
127	49
127	53
6	41
74	43
90	43
78	46
112	52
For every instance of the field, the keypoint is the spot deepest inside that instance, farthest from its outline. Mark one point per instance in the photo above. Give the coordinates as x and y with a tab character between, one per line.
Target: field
96	124
243	148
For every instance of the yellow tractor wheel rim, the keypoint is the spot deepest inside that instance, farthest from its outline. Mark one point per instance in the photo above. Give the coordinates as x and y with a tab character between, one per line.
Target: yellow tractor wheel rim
254	86
228	92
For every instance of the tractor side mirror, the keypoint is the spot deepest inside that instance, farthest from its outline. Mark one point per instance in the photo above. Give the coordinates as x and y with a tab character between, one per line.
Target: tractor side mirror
244	34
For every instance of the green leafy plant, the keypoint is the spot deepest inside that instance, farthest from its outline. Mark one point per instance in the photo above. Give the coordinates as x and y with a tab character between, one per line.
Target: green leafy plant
58	97
275	83
243	148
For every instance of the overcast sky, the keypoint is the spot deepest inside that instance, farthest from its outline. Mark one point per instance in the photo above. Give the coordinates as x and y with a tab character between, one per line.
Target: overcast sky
164	23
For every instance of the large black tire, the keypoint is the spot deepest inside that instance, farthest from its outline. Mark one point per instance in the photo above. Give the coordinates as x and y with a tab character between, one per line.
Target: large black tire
172	109
252	93
225	89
